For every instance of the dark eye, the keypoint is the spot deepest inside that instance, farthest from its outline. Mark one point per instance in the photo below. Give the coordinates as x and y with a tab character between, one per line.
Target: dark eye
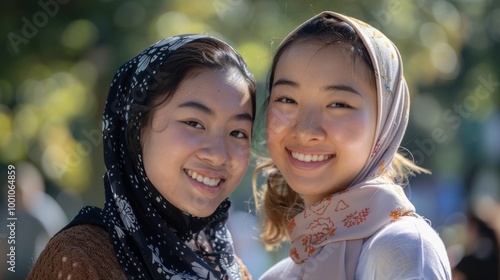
283	99
194	124
239	134
339	105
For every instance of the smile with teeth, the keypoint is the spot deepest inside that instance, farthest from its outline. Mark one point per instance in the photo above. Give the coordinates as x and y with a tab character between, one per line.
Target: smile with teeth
309	157
211	182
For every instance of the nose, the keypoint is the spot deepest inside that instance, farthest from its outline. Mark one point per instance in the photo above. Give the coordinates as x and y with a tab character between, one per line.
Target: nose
308	126
214	151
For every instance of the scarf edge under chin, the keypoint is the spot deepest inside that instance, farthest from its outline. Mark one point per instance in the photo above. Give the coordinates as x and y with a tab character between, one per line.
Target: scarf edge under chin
352	214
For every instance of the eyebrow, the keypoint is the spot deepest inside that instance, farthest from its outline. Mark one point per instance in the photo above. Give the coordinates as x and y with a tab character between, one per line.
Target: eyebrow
340	87
197	106
204	109
343	88
285	82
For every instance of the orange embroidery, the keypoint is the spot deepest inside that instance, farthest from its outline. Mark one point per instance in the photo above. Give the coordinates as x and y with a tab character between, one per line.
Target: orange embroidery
324	228
381	168
341	205
321	207
292	225
294	254
398	213
356	218
377	147
318	208
310	250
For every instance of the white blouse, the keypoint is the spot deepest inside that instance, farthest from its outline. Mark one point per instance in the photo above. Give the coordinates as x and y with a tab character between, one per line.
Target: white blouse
406	249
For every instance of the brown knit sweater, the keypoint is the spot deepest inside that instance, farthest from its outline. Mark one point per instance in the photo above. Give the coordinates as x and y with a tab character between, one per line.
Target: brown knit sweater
83	252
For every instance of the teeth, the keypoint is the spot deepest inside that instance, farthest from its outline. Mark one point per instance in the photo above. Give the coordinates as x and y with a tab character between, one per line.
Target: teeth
211	182
309	158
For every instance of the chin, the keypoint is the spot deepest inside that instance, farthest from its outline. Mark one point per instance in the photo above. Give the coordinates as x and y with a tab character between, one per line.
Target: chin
203	211
202	214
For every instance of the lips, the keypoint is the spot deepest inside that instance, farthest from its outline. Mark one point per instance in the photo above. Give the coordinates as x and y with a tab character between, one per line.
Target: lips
209	181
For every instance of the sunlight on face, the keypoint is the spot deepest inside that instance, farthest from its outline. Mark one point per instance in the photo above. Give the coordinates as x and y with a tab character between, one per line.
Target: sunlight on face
321	119
197	148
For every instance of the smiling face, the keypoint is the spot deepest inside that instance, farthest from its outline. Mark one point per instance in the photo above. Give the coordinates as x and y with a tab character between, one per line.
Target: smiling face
197	147
321	119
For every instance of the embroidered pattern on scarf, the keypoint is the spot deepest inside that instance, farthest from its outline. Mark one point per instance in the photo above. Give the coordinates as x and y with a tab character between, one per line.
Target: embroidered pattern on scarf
352	214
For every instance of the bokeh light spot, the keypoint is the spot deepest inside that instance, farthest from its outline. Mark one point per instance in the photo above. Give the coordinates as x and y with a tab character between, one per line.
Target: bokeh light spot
445	60
26	122
79	35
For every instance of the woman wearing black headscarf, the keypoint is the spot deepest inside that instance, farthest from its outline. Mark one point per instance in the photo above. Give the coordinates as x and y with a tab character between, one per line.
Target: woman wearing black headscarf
176	128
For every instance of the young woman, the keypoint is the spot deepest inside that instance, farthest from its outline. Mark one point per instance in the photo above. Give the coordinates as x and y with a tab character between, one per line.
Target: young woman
336	115
177	130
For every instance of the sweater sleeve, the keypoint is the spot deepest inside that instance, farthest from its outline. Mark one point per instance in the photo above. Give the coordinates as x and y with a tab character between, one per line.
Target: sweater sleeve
80	252
245	274
404	250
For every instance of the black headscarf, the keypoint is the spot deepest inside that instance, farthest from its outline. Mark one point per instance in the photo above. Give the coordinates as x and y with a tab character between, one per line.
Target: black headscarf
152	238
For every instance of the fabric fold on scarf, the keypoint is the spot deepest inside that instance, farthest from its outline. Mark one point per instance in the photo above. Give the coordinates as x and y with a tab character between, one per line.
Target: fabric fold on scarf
152	238
353	214
368	204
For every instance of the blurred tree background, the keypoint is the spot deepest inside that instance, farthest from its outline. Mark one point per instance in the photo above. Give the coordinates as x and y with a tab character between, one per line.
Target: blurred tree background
59	56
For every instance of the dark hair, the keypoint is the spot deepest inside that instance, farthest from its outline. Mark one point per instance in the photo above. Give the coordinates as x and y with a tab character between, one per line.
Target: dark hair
279	202
183	63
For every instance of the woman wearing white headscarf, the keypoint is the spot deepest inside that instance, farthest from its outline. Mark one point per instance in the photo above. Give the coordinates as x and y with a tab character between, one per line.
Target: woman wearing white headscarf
336	115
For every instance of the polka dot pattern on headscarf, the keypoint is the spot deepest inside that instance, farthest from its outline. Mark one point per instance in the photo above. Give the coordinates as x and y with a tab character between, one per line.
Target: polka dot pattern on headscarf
152	238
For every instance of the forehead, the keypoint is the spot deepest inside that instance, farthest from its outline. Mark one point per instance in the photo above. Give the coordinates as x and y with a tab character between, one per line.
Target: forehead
312	58
226	90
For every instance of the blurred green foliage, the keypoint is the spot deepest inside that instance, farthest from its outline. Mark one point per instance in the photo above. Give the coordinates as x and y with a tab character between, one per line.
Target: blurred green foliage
59	56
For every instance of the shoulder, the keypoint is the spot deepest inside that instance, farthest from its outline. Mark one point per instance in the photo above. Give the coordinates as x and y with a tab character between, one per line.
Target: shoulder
407	233
80	252
406	249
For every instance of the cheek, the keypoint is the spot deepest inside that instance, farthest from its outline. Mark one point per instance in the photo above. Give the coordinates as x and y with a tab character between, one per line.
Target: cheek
241	156
357	132
277	122
368	123
149	157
